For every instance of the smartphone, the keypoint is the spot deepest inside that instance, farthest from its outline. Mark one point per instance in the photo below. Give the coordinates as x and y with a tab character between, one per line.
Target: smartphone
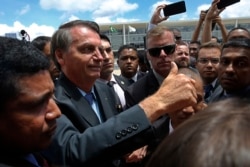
174	8
225	3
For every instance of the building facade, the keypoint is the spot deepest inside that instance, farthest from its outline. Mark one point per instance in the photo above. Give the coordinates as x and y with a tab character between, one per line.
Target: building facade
122	33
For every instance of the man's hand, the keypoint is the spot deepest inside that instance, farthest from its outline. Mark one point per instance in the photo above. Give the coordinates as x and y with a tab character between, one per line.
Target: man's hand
176	92
157	17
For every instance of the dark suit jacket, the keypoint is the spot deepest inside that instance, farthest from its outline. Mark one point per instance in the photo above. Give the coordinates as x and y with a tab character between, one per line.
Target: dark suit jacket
141	89
76	144
18	161
219	94
124	82
215	91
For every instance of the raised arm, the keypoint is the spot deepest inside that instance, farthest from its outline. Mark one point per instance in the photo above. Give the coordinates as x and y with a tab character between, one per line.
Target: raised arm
157	17
198	27
223	29
212	13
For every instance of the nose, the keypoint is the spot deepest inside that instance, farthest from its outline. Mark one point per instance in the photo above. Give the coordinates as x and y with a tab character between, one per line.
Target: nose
106	56
229	68
53	111
98	54
162	53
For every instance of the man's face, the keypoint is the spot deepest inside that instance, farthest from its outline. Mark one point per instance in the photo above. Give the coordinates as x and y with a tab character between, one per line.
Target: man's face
162	63
181	56
180	116
128	62
28	121
208	63
193	49
238	33
83	60
108	60
234	69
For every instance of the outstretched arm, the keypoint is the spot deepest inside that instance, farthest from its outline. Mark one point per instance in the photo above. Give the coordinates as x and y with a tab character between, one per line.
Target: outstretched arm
212	13
197	30
157	17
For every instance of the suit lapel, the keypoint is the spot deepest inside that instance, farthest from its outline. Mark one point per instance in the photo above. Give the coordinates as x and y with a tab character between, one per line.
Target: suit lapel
122	82
153	84
82	107
105	100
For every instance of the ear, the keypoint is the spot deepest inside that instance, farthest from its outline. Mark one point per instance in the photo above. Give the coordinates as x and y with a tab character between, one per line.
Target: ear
59	57
148	56
118	62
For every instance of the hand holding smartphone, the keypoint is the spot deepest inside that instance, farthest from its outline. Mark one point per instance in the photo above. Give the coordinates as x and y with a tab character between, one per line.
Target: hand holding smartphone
174	8
225	3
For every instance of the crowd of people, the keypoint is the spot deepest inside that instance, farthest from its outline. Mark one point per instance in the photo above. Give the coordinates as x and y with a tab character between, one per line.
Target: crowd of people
62	104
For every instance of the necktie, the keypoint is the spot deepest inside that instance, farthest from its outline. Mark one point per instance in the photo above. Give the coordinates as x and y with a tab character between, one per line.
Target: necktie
131	81
117	99
208	89
110	83
31	158
89	97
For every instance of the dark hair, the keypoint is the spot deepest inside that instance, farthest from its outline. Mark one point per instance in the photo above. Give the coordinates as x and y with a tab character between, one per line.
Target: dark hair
105	37
40	42
128	46
17	59
237	28
62	38
237	42
209	45
218	136
195	42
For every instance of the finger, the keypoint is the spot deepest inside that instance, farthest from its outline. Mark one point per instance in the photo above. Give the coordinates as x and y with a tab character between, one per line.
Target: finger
174	69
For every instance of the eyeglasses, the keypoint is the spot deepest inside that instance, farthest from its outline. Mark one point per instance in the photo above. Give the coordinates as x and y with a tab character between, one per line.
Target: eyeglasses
206	60
168	49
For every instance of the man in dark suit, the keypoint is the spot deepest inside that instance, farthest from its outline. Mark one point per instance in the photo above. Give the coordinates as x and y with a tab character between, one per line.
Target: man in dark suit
86	136
207	64
128	62
28	111
160	53
234	70
107	76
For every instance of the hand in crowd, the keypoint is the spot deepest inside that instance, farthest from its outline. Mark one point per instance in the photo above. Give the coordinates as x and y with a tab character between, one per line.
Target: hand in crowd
157	17
177	91
203	15
213	11
217	20
137	155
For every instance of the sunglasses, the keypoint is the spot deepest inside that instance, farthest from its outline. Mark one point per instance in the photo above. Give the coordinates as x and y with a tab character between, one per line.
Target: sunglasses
168	49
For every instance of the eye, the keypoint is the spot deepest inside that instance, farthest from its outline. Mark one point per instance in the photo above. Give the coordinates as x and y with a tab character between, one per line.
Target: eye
241	63
224	62
87	49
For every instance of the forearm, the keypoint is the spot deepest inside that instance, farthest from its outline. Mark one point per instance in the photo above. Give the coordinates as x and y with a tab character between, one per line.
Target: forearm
197	30
207	33
223	31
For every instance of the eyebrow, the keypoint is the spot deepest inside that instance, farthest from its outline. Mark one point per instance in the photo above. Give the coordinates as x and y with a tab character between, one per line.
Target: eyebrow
37	100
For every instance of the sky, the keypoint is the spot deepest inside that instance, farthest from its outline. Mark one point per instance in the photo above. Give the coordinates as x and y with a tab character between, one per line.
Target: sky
42	17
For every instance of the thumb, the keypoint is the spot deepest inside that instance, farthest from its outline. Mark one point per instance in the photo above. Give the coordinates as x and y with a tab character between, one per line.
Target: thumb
174	69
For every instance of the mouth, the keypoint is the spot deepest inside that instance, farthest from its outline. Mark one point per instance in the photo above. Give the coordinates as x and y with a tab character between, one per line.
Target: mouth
228	81
107	65
95	68
51	130
208	72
